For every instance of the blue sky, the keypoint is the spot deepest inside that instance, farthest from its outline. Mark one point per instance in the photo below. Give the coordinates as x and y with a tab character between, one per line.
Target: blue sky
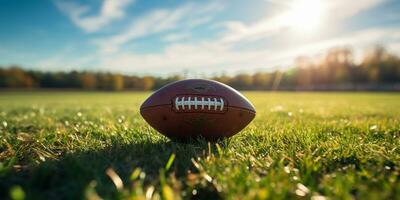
202	37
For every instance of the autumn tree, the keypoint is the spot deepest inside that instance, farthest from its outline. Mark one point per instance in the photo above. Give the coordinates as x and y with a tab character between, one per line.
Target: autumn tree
88	81
15	77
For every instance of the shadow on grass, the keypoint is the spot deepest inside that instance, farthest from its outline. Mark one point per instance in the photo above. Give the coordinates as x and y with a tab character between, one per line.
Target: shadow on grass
67	177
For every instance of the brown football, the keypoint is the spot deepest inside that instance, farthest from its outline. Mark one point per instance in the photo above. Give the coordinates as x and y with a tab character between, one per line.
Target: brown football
197	107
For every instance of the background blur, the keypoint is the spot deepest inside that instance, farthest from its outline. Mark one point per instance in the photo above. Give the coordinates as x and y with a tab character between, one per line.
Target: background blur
250	45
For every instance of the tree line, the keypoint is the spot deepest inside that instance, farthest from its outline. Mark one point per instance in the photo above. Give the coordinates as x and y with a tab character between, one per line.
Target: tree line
337	70
16	77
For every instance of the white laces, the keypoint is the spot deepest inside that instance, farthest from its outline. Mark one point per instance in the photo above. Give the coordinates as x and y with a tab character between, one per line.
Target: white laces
189	103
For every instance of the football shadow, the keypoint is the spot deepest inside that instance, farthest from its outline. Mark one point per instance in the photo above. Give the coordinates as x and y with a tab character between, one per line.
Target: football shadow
68	176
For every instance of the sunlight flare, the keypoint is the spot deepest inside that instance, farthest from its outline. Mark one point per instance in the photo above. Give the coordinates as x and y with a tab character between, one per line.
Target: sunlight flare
304	15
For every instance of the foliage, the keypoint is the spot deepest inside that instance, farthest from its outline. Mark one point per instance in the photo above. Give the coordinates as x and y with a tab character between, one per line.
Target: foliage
379	70
16	77
73	145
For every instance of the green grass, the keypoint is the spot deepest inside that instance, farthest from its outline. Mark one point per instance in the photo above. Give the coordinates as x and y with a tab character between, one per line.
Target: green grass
300	146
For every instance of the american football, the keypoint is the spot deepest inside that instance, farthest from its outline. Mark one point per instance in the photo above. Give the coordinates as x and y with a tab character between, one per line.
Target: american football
200	99
197	108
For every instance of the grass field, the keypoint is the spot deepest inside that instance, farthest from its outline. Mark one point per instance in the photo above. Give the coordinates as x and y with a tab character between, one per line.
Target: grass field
301	145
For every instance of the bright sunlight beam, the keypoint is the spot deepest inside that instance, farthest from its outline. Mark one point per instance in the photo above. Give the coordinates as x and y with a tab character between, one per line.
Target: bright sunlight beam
304	15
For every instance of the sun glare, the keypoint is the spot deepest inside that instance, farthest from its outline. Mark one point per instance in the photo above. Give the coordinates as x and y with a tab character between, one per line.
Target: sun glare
305	15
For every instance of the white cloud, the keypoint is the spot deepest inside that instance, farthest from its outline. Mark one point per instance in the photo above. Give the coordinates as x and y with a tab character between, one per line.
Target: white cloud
53	63
209	57
65	59
157	21
222	54
110	10
343	8
174	37
336	11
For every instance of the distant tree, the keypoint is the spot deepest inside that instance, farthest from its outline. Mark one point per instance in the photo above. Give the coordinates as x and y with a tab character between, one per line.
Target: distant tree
339	61
138	83
289	77
88	81
160	82
103	81
15	77
223	79
304	76
262	81
336	68
116	82
72	80
381	66
54	80
242	81
148	83
130	82
47	80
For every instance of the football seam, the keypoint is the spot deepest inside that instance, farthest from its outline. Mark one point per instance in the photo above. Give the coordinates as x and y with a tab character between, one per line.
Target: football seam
234	107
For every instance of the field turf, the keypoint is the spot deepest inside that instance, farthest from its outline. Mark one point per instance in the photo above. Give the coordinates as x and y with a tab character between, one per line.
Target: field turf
72	145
